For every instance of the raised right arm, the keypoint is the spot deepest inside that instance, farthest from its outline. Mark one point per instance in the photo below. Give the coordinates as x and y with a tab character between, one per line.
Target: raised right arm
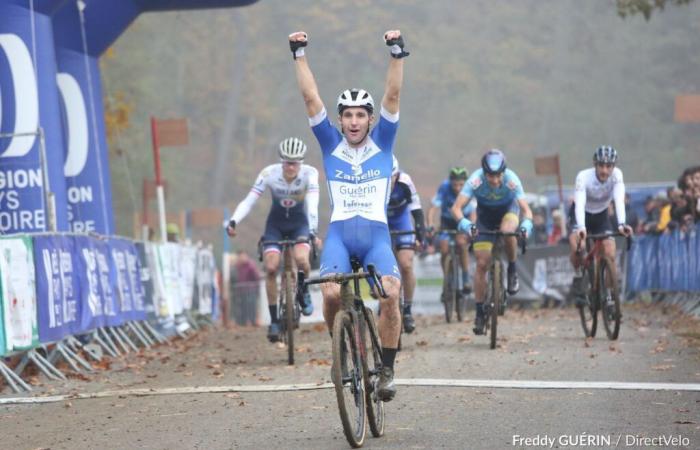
305	79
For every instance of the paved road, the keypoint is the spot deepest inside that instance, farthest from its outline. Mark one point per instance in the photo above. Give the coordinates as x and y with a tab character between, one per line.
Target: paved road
654	346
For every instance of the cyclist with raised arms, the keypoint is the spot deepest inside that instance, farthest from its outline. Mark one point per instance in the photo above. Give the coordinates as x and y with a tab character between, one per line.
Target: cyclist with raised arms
500	197
595	188
293	215
443	201
357	164
404	203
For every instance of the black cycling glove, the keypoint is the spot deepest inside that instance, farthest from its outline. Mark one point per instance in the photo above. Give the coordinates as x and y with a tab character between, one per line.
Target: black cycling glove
397	50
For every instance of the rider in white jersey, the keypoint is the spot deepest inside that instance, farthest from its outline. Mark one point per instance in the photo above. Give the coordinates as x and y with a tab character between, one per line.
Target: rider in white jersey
293	215
595	188
358	163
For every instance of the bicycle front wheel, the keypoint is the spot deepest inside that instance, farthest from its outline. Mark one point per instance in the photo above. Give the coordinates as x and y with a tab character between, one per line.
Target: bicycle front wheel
371	365
609	300
348	377
589	311
289	301
496	294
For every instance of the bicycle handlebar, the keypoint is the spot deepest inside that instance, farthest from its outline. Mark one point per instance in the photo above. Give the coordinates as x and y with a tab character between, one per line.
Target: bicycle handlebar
342	278
601	236
401	233
520	235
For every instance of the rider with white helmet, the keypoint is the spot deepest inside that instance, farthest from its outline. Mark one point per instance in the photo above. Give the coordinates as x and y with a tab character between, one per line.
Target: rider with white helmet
293	215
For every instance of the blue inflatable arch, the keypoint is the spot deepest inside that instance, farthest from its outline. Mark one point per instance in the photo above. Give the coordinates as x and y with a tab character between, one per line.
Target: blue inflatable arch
51	110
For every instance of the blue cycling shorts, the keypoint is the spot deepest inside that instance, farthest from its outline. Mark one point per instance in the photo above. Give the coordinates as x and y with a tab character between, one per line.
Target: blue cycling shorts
367	240
402	222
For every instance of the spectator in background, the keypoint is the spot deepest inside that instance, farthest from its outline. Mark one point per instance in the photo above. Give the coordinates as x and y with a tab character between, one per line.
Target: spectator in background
681	212
557	233
247	289
651	220
539	229
172	232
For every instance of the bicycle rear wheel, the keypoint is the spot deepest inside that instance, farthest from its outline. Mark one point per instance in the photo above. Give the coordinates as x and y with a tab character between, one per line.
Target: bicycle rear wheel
609	300
496	294
347	375
449	289
589	311
371	365
289	300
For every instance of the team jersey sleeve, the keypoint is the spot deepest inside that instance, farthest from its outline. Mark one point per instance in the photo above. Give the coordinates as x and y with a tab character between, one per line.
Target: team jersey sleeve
515	185
580	200
473	182
327	135
415	199
256	191
619	196
384	134
469	207
312	196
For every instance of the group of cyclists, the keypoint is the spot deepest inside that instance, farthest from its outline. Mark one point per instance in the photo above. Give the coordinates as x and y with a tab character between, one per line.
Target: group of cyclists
370	196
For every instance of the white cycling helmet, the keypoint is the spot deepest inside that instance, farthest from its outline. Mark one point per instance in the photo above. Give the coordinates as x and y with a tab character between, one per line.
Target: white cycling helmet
292	149
355	98
394	165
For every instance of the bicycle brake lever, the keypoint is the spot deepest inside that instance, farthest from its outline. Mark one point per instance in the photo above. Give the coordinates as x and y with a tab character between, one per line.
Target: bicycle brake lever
377	280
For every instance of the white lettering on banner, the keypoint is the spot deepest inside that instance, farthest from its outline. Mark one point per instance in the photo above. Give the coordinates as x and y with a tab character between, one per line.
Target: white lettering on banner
84	226
123	293
94	302
59	272
25	88
80	194
76	124
17	220
20	178
107	292
10	199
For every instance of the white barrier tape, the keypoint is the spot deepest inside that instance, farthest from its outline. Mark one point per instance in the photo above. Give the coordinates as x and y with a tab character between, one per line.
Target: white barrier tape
419	382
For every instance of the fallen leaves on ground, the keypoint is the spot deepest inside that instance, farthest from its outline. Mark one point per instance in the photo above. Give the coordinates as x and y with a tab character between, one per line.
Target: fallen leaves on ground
422	343
319	362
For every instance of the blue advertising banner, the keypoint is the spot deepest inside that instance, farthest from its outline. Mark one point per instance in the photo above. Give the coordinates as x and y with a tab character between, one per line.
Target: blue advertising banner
57	287
130	293
98	282
669	262
86	163
29	98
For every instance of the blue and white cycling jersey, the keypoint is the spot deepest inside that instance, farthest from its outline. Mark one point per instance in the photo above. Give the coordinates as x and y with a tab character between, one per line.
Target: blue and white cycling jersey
359	181
477	187
445	198
358	178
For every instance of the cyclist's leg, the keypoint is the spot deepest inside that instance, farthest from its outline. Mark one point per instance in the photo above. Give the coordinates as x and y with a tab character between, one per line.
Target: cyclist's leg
404	257
303	248
381	256
335	259
271	262
482	253
573	239
600	224
463	251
